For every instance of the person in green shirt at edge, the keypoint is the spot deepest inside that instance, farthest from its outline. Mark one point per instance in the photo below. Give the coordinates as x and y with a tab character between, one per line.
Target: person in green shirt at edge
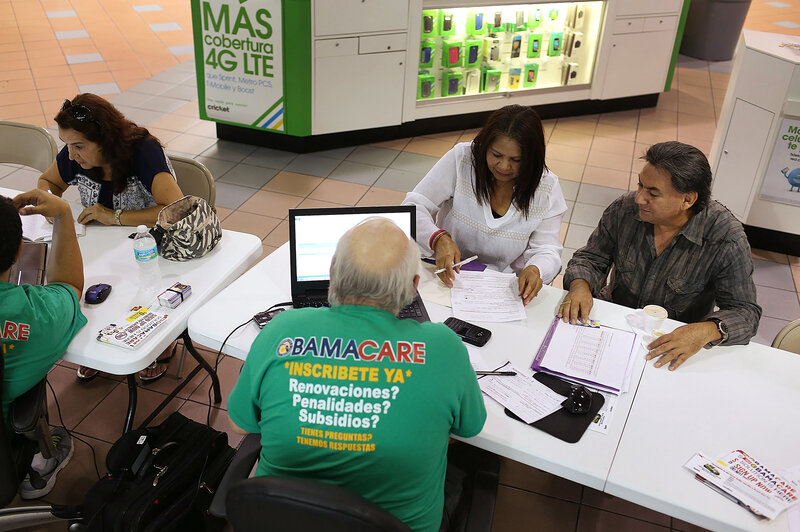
38	322
353	396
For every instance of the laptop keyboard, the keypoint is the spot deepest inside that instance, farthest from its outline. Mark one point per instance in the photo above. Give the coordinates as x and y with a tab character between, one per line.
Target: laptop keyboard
316	303
411	311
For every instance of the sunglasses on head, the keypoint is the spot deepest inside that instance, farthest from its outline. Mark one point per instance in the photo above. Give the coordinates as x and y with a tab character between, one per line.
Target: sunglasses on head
79	112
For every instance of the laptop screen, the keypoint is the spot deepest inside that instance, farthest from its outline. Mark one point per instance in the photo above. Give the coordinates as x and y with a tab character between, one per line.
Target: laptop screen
314	233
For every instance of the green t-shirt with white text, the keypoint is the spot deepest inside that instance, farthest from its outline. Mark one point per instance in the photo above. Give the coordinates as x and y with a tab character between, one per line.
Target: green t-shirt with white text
353	396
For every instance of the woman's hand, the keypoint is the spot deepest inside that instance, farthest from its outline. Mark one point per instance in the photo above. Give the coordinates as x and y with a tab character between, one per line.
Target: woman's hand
447	254
97	212
530	282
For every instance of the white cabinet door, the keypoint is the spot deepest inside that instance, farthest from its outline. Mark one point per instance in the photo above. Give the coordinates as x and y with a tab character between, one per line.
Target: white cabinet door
337	17
637	64
742	150
358	92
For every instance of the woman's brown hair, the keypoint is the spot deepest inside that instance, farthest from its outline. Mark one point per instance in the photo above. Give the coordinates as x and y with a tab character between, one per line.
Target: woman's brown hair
106	126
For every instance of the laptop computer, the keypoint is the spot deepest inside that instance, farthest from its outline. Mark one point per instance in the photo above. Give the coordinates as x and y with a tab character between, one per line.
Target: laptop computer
30	266
313	235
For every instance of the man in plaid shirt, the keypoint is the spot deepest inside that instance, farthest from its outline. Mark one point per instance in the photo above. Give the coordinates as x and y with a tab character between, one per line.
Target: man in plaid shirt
673	246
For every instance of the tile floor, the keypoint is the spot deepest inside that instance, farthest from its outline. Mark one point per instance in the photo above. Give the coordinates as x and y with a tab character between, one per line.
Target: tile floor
139	56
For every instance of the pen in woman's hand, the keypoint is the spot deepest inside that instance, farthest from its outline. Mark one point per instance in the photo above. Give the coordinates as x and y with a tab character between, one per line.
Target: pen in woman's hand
457	264
501	373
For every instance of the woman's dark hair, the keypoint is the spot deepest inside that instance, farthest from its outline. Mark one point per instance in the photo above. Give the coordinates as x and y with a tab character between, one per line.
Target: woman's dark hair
523	125
687	167
106	126
10	235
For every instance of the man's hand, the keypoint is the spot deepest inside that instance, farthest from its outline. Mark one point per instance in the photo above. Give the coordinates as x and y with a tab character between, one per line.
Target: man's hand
38	201
577	303
98	212
677	346
447	254
530	282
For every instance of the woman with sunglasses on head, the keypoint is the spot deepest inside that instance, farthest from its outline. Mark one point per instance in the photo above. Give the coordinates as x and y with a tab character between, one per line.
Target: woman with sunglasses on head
494	198
121	171
122	174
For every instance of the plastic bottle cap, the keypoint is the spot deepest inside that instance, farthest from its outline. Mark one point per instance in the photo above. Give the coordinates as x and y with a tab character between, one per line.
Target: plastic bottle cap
141	228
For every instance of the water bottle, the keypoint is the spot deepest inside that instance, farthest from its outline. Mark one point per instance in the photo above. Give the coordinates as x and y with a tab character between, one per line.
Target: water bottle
146	253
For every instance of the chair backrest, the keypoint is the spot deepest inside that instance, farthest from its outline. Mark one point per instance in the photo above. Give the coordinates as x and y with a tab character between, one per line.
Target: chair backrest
194	178
283	503
788	338
27	144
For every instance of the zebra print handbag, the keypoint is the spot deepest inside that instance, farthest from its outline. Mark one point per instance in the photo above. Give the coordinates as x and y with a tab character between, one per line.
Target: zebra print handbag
186	229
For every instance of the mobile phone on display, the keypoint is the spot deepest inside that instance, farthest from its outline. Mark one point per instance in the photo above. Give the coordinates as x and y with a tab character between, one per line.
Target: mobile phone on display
516	44
469	333
478	21
535	46
494	53
447	23
556	43
454	53
498	19
426	55
452	86
427	24
473	54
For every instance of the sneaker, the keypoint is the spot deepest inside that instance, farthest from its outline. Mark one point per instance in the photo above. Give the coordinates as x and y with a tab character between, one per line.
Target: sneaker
41	477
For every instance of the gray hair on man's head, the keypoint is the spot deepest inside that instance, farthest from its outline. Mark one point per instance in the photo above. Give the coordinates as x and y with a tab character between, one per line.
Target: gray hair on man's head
374	264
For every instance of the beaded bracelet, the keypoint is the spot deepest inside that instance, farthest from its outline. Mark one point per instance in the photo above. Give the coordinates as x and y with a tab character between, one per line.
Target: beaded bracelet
435	237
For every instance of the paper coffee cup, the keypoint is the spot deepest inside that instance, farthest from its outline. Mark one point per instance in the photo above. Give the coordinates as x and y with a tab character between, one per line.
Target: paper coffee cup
654	317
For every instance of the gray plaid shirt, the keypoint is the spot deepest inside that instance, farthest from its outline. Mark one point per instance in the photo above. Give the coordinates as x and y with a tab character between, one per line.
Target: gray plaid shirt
707	263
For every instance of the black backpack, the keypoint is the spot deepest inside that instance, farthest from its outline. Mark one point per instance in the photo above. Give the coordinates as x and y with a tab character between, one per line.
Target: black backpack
160	479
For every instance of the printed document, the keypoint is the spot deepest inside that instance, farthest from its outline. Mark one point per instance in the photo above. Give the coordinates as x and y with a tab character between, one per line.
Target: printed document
487	296
36	228
741	478
595	355
528	398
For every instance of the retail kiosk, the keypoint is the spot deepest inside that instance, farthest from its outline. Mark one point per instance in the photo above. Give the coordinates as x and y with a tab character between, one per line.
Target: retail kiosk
311	74
755	156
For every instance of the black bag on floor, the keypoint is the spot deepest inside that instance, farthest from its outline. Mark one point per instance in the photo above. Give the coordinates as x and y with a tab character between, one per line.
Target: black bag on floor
160	479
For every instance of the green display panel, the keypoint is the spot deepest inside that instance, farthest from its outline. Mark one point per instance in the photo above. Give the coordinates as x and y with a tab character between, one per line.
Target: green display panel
452	83
535	18
472	53
245	60
476	23
531	73
426	85
534	45
447	23
430	22
556	44
427	51
490	79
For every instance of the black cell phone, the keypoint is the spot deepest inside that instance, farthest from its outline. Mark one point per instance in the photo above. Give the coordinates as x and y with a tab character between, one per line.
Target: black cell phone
262	318
472	334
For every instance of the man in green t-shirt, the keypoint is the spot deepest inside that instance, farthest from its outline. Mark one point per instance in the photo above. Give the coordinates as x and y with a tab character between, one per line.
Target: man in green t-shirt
352	395
37	323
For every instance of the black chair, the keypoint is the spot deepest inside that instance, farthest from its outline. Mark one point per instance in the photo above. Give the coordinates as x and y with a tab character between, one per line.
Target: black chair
28	433
281	503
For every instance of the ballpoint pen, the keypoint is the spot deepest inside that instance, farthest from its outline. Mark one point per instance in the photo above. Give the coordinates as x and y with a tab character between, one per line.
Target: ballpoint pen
501	373
457	264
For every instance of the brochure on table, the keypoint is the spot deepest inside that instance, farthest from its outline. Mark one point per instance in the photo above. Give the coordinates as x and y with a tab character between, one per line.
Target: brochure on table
746	481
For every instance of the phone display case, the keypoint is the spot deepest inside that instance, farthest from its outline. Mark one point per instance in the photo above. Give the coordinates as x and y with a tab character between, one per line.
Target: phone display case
497	48
452	83
427	51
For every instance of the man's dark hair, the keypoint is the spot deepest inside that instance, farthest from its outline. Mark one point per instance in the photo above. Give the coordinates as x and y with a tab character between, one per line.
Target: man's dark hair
687	166
10	235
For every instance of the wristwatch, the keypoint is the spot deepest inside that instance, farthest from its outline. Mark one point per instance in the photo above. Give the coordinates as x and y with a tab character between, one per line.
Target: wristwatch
117	214
723	331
